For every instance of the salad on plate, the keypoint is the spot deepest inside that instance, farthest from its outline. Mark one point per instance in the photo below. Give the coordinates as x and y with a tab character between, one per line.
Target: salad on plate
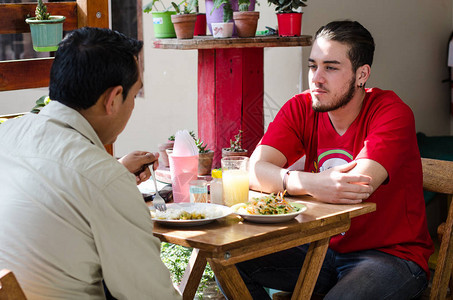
269	209
266	205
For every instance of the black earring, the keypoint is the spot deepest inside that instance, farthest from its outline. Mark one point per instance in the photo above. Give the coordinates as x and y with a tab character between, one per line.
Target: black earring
360	85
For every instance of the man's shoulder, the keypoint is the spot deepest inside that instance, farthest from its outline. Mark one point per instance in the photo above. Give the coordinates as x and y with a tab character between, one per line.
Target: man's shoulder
383	95
385	99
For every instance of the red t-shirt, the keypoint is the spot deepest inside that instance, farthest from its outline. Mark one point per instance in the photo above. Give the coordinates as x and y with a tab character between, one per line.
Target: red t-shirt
384	131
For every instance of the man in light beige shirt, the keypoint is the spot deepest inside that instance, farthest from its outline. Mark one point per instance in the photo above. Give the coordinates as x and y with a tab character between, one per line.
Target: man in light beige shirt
71	215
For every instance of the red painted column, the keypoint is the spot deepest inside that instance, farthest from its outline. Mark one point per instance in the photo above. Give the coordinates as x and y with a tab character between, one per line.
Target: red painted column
230	97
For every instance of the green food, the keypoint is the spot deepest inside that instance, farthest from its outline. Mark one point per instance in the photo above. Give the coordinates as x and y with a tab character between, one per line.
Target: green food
267	205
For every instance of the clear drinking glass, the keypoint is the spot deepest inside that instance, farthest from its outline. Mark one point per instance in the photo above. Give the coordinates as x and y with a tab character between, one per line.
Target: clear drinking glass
235	178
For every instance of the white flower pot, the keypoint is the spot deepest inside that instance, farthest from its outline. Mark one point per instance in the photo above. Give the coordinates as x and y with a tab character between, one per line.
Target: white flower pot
222	30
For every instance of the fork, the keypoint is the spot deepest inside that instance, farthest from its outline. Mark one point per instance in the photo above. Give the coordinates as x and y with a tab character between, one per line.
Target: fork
158	201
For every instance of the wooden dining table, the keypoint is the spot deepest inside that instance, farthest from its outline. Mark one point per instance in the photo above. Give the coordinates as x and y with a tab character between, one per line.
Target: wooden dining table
231	239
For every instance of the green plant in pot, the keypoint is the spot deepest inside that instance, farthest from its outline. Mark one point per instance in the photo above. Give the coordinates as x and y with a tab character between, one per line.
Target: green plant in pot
162	24
235	148
205	157
224	29
185	18
245	21
46	29
288	18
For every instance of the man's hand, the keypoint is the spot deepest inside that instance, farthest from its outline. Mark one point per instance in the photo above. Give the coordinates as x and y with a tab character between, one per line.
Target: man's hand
336	185
136	160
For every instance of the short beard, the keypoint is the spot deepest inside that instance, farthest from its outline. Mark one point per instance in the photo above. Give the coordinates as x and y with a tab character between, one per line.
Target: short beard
341	102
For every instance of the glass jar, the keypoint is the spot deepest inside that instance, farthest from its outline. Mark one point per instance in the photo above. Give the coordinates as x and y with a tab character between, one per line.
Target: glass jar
198	190
216	187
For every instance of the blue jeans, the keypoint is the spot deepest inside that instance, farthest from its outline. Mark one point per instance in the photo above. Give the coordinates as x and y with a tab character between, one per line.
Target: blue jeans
369	274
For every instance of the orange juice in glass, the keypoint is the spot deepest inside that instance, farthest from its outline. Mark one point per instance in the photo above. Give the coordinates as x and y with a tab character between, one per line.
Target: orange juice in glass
235	178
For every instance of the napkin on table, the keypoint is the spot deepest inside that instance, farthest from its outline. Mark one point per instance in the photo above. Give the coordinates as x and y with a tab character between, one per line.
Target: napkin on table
184	144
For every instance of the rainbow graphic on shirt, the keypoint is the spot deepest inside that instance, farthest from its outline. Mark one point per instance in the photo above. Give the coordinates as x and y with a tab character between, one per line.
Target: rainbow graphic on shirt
329	158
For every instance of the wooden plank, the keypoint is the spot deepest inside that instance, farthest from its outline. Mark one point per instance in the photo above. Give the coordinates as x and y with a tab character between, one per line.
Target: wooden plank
206	99
208	42
444	268
25	73
228	97
12	16
9	286
93	13
310	269
230	280
192	275
252	97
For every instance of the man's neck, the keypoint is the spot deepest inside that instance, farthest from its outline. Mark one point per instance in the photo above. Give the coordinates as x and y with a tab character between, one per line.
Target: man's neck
343	117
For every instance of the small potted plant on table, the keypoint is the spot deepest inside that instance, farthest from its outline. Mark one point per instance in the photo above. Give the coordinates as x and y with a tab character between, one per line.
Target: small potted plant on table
235	148
288	18
205	157
245	21
46	30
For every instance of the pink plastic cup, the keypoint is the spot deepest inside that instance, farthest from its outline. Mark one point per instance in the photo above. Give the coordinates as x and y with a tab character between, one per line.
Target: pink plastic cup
183	169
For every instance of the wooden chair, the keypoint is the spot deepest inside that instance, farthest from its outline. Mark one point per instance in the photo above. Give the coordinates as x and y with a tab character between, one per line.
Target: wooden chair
9	287
438	178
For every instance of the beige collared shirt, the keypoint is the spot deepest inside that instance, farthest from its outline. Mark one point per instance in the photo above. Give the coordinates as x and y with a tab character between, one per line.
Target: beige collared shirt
71	215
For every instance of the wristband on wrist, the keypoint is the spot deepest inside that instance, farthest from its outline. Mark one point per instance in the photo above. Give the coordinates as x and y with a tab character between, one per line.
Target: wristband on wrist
285	180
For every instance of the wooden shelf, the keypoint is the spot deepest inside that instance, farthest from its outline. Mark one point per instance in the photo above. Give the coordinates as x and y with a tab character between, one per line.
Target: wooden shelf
208	42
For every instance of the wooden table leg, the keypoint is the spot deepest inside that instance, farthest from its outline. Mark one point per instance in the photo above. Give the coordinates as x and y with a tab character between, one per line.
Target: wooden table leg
310	269
192	275
232	284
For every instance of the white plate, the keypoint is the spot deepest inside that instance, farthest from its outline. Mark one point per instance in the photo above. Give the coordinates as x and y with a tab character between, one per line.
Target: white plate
274	218
218	211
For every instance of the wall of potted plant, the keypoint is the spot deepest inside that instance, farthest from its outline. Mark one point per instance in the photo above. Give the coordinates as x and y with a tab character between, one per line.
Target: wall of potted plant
185	18
235	148
245	21
162	24
46	30
288	18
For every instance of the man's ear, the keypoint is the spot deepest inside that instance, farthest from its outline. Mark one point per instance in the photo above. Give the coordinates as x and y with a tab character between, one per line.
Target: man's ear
112	97
363	73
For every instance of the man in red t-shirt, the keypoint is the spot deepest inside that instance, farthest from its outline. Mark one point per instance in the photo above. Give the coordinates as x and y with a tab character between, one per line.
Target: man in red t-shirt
359	145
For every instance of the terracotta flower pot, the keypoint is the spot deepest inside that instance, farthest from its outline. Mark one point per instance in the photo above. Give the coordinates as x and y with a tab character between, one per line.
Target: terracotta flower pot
246	22
184	25
163	153
205	163
226	152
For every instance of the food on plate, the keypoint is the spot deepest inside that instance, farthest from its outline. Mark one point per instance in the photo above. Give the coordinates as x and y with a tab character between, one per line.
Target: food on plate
266	205
187	213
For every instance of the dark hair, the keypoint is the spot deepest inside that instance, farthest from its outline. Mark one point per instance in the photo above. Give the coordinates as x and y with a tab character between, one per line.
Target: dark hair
88	62
353	34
